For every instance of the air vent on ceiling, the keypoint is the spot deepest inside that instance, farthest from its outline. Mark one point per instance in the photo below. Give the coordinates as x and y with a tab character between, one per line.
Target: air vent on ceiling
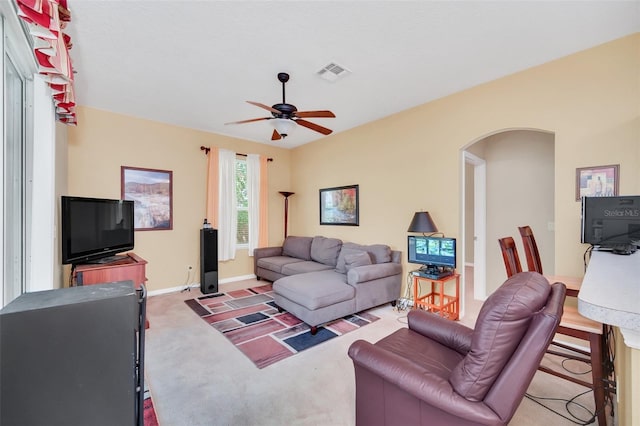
333	71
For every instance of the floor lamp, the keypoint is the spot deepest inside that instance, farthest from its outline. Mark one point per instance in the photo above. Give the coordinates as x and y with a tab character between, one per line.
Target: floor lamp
286	196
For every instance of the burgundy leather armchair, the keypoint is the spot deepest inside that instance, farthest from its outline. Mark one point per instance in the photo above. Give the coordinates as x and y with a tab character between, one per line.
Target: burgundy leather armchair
440	372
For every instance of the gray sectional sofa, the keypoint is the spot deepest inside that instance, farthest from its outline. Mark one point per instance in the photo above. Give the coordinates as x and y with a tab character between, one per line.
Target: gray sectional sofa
320	279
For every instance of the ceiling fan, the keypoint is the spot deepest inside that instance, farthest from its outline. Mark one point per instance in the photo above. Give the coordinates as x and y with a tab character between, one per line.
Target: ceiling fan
285	116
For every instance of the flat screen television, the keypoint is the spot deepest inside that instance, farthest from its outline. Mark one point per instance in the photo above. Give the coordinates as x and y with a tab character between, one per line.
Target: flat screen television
432	251
95	229
611	221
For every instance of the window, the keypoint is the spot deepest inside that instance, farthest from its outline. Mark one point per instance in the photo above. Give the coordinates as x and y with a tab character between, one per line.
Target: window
242	197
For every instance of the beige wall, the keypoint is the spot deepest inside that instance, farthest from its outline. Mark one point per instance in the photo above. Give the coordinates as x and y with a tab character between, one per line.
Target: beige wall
411	161
103	141
520	187
404	163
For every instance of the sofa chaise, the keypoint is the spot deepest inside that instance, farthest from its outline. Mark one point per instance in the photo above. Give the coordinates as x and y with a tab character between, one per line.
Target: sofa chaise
320	279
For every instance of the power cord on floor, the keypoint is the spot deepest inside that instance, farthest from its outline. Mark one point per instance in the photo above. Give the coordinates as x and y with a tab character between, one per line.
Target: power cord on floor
187	282
568	403
608	385
404	303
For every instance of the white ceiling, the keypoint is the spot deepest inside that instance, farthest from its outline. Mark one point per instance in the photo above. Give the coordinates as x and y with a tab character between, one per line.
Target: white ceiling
195	63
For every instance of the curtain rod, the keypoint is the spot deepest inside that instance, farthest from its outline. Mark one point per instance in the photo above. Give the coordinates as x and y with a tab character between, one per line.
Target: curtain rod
206	151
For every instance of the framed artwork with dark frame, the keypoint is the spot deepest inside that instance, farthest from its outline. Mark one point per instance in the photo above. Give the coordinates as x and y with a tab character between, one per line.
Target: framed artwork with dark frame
597	181
152	193
339	206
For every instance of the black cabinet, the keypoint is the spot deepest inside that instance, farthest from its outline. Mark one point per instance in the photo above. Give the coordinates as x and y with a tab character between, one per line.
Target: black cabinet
209	260
73	356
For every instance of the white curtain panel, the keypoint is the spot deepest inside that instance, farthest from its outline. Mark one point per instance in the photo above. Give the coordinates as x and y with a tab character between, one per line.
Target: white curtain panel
253	193
227	212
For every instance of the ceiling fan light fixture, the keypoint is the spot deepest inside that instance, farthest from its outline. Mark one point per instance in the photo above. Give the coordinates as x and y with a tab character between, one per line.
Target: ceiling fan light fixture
284	126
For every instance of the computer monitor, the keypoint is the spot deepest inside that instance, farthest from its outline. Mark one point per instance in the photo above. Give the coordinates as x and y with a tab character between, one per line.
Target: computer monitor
611	221
432	251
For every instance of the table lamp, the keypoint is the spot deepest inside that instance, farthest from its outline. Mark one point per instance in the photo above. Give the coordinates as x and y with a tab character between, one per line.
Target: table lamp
422	223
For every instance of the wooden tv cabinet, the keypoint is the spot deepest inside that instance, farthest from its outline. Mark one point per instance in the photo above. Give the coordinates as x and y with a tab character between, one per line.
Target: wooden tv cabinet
131	267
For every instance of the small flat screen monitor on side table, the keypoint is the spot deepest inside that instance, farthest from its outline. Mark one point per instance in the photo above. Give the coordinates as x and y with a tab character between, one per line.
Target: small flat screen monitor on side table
432	252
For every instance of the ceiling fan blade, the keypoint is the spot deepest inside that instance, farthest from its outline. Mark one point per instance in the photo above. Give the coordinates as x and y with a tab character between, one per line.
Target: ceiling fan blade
313	126
315	114
275	136
263	106
250	120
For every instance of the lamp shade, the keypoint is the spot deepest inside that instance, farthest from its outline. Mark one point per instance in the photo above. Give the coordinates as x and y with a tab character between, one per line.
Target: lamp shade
284	126
422	222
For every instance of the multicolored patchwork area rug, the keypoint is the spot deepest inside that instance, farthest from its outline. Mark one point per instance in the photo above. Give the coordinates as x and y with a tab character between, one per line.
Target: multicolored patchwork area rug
250	320
149	413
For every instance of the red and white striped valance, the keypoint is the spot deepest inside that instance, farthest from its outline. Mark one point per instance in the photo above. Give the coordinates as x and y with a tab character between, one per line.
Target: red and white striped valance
46	20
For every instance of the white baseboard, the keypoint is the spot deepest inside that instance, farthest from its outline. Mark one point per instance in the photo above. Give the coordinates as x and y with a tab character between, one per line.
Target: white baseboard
197	285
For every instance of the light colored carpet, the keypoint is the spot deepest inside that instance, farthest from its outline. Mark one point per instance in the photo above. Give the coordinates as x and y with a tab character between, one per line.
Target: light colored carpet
197	377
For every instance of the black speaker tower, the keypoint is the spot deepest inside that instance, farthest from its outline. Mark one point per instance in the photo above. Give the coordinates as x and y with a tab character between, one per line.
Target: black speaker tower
209	260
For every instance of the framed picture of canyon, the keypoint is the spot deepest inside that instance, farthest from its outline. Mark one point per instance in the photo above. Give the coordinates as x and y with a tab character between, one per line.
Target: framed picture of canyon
152	193
597	181
339	206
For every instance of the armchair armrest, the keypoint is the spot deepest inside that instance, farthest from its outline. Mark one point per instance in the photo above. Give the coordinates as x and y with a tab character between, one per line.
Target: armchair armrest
365	273
418	382
449	333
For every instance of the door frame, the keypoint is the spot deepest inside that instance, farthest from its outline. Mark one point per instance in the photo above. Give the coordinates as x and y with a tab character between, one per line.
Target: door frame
479	222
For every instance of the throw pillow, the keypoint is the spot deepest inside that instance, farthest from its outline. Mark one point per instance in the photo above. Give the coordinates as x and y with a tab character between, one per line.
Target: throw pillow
380	253
357	259
340	264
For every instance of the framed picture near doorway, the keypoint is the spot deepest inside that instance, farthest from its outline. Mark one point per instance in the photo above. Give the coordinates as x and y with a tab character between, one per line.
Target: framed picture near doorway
152	193
597	181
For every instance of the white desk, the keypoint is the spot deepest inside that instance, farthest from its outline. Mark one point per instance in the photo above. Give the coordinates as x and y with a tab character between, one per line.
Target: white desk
610	293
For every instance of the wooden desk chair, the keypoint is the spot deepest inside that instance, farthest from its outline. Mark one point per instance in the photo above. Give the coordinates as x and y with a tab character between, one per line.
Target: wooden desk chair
572	323
510	256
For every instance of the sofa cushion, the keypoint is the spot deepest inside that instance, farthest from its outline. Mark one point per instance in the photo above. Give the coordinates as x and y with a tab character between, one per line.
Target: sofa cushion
379	253
315	290
275	263
344	252
501	323
357	259
303	266
299	247
325	250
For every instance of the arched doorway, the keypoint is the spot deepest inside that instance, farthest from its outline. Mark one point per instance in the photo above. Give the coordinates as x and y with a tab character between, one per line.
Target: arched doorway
508	178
